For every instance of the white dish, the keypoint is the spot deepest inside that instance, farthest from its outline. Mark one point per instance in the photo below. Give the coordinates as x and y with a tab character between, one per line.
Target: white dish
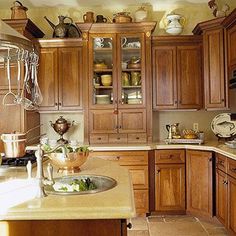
223	126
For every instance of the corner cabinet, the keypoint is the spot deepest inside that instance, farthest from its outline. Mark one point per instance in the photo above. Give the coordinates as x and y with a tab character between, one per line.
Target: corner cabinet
119	81
61	74
177	72
215	68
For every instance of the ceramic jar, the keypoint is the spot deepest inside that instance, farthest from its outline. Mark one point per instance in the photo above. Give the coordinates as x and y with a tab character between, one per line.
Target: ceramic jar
140	15
174	24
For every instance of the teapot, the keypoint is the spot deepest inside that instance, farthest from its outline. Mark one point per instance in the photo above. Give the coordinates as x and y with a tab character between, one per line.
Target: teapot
61	126
174	23
63	29
173	131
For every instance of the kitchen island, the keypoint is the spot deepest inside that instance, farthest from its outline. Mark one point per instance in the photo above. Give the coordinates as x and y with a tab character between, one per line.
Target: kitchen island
103	213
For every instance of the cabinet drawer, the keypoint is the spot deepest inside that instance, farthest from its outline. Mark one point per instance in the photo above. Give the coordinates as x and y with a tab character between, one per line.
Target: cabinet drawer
169	156
137	138
231	168
141	201
139	175
221	162
125	157
117	138
98	138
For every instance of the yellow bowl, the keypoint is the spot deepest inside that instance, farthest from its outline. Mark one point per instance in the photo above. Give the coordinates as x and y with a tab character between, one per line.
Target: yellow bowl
70	163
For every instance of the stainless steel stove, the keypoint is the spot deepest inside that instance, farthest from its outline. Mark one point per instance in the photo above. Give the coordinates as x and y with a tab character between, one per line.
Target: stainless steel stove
13	163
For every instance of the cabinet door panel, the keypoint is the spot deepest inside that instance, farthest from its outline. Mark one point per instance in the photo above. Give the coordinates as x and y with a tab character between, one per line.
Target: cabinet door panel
232	205
132	120
48	82
70	78
232	45
141	201
214	74
139	176
103	121
221	197
170	187
189	76
199	182
164	77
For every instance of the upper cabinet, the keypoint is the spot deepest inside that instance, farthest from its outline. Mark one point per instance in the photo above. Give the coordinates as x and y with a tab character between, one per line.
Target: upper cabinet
61	74
119	81
230	24
177	72
215	68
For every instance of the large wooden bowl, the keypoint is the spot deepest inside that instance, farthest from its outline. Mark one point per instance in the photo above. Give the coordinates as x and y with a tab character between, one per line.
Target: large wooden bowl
68	163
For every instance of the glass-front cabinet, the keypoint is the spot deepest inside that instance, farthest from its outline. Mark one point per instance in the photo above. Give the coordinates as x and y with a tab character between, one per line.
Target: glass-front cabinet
117	77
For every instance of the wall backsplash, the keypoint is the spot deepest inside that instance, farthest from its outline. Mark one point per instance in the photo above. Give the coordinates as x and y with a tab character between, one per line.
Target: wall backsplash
76	132
186	120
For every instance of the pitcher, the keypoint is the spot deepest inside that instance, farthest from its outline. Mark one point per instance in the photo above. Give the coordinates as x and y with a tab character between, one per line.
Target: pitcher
174	23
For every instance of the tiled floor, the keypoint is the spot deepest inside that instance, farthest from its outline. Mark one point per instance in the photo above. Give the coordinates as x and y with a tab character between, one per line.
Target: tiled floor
174	226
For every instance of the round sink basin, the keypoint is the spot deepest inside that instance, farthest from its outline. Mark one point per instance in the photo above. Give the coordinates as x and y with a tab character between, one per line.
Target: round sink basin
69	185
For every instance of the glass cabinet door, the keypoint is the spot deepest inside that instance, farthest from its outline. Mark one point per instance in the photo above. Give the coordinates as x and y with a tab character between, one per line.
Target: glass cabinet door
103	82
131	77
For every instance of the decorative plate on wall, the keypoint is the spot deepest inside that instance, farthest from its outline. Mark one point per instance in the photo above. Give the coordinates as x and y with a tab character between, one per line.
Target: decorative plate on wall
223	126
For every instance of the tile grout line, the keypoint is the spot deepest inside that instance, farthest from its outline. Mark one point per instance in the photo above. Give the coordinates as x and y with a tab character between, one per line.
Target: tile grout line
201	225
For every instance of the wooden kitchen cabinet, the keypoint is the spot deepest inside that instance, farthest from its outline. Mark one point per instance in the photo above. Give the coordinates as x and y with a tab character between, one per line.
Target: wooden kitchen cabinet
177	72
199	182
226	192
137	164
215	67
169	182
61	74
125	99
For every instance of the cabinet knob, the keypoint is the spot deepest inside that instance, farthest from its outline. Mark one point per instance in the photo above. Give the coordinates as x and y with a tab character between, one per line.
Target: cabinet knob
233	169
115	112
129	226
158	171
118	138
210	159
118	158
225	182
222	100
137	138
59	103
99	138
176	102
120	127
56	104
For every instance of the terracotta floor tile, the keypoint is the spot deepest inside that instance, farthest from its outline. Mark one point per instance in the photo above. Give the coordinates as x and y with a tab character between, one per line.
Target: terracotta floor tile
139	223
214	229
155	219
138	233
176	229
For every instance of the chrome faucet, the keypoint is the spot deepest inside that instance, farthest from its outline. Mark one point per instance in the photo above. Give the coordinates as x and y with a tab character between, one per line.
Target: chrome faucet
41	180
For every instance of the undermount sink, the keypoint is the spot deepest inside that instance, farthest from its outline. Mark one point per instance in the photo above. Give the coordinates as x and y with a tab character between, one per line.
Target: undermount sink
102	183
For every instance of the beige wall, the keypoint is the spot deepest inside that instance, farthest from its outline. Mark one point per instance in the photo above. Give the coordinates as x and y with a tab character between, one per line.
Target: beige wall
194	13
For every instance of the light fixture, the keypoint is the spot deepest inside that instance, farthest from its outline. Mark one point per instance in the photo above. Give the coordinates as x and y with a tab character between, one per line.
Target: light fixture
17	50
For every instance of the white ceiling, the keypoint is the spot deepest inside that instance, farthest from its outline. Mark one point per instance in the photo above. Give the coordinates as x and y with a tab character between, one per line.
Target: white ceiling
89	3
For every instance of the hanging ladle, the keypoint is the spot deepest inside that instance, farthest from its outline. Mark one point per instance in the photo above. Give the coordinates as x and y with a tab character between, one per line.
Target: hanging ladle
9	93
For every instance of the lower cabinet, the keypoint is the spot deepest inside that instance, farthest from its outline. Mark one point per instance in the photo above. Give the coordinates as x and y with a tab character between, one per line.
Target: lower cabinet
137	163
226	192
199	183
169	181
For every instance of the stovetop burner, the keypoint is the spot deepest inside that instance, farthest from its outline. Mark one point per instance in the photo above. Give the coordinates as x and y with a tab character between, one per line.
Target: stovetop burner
21	161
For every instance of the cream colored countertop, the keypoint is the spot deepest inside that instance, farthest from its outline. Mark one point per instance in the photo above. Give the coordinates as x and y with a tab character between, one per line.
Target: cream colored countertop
214	146
116	203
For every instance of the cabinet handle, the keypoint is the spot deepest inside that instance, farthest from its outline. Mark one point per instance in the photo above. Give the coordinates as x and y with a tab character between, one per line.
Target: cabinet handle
115	112
158	171
118	158
129	226
171	156
99	138
210	159
120	127
56	103
118	138
222	100
59	103
137	138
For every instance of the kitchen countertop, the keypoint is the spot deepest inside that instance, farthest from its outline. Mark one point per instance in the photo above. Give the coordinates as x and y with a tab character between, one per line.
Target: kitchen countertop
116	203
214	146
